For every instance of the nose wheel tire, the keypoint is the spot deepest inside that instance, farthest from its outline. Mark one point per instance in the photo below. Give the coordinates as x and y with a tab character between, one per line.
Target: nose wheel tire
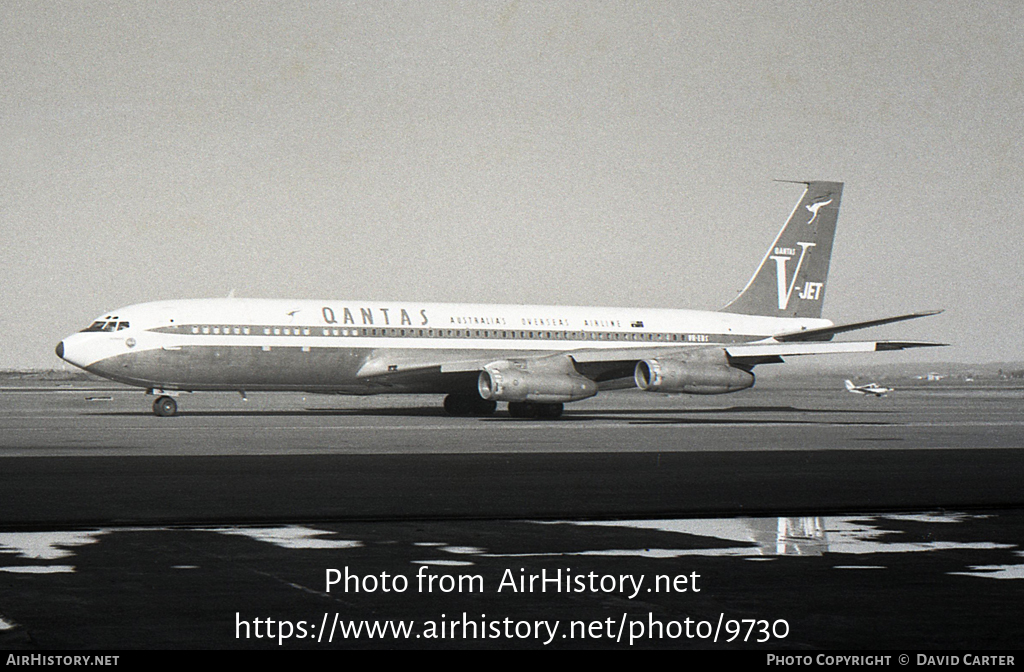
165	407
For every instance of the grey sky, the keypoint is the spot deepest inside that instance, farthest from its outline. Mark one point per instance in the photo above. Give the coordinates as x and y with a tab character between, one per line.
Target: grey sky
583	153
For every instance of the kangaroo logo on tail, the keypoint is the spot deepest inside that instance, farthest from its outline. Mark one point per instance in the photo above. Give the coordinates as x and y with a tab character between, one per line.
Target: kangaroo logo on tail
814	207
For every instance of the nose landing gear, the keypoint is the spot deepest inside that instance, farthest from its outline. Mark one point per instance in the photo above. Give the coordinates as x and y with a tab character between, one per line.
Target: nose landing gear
165	407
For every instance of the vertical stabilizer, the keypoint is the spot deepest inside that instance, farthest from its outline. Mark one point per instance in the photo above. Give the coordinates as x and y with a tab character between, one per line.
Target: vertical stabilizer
790	282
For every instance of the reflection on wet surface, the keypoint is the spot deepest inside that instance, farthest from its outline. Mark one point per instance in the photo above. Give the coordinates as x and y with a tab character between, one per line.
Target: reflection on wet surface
45	545
290	536
997	571
754	539
40	569
764	537
891	580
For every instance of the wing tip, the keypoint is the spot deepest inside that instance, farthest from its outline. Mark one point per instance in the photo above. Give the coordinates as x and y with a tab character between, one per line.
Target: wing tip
881	346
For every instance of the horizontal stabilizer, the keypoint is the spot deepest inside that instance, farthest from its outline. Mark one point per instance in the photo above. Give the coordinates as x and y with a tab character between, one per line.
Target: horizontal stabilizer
757	350
826	333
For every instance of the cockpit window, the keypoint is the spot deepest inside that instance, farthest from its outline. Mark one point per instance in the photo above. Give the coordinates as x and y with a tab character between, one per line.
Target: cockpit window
104	325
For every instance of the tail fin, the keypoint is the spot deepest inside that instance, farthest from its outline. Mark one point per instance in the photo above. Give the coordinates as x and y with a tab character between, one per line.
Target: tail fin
790	282
850	385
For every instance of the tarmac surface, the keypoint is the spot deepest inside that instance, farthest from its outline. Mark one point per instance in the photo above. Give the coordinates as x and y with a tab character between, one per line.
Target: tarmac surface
838	521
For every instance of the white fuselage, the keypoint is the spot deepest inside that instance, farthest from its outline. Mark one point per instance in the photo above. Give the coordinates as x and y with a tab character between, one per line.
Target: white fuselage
341	346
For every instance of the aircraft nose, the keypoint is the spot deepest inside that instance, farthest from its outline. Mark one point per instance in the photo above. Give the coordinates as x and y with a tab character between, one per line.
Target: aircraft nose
60	350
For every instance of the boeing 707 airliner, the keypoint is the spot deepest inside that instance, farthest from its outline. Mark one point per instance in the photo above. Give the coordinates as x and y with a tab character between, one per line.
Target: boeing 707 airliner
535	358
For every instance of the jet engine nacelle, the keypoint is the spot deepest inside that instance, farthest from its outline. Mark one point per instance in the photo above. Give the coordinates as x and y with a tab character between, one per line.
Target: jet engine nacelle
673	375
510	383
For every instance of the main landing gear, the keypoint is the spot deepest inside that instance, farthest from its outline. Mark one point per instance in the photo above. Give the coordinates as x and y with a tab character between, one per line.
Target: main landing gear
468	404
463	405
165	407
529	409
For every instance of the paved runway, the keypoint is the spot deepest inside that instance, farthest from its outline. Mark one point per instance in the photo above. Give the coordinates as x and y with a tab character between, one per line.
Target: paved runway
117	421
48	492
119	529
92	456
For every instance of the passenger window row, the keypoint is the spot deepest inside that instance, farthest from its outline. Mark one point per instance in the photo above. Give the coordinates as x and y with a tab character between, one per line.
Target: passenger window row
394	332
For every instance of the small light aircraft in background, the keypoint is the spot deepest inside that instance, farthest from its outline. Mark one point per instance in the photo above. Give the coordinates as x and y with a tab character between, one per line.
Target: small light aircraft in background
870	388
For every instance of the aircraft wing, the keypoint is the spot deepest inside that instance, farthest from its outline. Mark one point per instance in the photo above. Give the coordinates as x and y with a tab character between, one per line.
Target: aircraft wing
608	367
826	333
602	365
388	362
763	352
397	371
